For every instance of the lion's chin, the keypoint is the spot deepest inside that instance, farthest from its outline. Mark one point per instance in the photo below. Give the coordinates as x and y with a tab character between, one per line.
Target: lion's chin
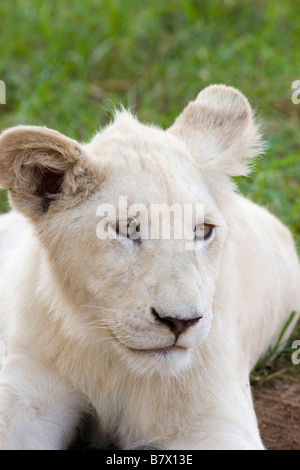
168	361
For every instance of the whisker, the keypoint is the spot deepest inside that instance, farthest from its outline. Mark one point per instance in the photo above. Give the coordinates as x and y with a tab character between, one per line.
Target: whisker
110	349
102	323
100	308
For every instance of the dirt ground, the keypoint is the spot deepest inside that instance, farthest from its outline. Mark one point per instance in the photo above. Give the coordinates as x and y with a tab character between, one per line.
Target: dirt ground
277	405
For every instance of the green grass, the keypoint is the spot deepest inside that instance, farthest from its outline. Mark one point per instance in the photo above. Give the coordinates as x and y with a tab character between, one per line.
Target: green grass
66	64
278	361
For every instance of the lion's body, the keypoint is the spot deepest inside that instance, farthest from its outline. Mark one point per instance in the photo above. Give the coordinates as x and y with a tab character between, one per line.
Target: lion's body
77	312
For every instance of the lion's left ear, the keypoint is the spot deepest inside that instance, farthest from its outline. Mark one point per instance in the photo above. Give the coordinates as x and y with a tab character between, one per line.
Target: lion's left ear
219	129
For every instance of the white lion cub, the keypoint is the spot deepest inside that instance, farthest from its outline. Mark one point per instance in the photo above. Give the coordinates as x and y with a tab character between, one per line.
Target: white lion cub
154	335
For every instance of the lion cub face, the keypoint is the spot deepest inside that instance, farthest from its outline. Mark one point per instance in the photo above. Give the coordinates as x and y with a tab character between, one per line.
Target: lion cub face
132	223
152	289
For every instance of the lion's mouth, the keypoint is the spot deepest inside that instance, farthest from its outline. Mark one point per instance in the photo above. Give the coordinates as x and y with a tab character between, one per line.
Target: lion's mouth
163	351
158	351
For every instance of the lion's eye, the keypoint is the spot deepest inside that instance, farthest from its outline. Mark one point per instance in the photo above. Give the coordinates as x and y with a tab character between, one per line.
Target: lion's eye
203	231
128	228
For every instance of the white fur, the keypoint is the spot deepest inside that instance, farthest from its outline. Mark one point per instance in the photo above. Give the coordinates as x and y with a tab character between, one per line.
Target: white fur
75	310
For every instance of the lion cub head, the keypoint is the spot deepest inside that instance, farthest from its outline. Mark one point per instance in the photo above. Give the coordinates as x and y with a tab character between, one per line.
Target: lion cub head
133	223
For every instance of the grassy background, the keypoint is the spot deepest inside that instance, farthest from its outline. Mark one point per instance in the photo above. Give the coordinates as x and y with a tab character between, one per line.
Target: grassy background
65	64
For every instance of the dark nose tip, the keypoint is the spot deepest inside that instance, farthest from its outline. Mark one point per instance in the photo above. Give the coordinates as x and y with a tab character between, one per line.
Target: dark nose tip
176	325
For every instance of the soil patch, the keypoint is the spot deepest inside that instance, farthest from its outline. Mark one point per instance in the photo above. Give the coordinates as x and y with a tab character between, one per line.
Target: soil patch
277	405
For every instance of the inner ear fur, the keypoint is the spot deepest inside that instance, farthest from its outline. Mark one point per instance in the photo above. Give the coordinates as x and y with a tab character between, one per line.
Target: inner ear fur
219	129
37	164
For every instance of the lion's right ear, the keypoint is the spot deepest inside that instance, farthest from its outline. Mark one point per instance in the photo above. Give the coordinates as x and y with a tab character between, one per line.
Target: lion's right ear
38	166
220	131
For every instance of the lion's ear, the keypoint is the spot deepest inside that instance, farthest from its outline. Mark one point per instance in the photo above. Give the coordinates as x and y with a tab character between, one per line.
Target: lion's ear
37	166
219	129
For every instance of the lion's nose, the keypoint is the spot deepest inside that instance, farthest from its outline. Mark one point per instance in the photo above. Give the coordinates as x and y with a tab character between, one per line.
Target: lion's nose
176	325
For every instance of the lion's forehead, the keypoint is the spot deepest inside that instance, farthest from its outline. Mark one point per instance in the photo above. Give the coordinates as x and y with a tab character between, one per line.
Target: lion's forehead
147	165
149	179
